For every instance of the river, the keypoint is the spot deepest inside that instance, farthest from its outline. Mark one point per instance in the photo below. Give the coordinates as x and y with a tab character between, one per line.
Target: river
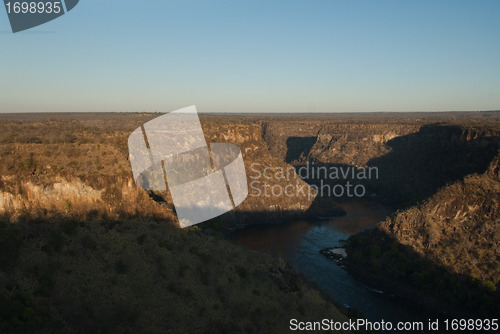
299	242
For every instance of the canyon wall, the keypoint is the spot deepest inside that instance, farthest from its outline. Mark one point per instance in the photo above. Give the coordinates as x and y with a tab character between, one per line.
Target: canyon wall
441	248
84	250
442	175
72	168
414	159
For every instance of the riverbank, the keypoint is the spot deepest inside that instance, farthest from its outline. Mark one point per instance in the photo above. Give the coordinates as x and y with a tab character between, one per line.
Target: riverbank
298	242
379	261
392	288
399	290
226	226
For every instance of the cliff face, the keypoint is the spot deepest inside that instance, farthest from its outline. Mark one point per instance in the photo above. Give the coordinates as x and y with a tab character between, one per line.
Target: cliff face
444	179
74	169
442	175
413	159
330	141
267	176
84	250
458	227
443	253
359	142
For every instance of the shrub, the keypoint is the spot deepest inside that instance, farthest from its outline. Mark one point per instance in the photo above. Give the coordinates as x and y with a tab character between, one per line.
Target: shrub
67	206
490	286
70	226
121	267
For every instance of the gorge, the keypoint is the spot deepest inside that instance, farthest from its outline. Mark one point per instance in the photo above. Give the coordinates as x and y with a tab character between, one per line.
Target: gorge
67	193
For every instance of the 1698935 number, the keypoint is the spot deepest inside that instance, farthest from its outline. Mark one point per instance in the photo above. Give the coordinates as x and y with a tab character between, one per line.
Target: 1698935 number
471	324
33	7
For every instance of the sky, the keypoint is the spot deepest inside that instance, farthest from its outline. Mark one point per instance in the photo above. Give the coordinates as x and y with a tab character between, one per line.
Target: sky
256	56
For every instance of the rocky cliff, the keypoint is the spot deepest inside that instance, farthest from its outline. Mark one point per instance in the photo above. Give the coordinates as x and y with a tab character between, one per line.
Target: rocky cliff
441	248
84	250
443	253
414	158
79	167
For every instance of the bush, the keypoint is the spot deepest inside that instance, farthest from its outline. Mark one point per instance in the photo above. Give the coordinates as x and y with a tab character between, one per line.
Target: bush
490	286
67	206
121	267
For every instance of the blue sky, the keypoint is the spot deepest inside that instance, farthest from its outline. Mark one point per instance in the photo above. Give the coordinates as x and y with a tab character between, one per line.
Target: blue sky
256	56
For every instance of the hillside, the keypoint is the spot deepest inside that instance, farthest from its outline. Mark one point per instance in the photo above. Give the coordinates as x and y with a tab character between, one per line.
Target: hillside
82	249
143	275
441	246
443	253
81	245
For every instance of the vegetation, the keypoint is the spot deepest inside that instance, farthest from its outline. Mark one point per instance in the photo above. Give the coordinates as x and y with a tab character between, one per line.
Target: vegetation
447	247
83	250
99	276
441	172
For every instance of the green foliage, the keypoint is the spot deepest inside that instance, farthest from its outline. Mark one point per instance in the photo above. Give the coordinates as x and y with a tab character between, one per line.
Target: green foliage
140	239
105	274
241	271
56	241
69	227
183	268
67	206
10	244
165	244
121	267
402	265
375	252
28	163
88	243
490	286
217	224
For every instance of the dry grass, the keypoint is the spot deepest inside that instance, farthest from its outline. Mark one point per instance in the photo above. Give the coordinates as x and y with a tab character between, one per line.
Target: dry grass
82	249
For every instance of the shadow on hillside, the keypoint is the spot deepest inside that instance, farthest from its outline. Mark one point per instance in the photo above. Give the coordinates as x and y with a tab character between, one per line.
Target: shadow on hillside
297	147
417	166
66	275
234	220
421	163
381	261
